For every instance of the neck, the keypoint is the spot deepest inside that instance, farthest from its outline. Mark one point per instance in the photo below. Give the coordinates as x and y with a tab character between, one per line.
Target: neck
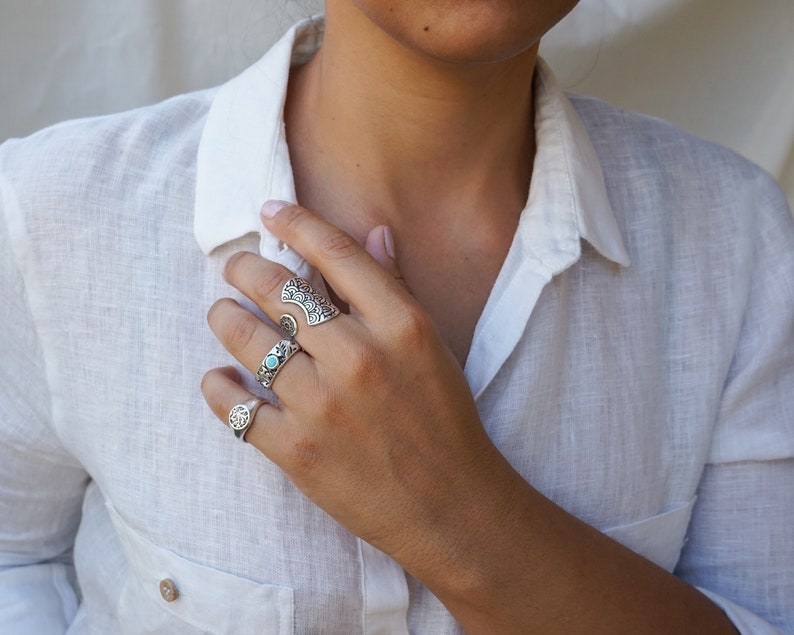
380	133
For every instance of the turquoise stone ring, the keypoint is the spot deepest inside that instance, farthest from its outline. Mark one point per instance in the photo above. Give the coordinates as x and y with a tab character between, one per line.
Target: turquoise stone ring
275	358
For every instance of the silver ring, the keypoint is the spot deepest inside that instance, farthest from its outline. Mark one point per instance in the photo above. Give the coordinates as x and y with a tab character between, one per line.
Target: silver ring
275	358
242	415
289	324
318	308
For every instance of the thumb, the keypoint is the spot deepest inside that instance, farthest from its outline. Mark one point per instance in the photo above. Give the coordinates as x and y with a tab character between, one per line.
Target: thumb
380	245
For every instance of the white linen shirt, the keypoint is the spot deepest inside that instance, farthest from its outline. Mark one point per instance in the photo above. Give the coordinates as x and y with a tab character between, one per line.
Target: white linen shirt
634	362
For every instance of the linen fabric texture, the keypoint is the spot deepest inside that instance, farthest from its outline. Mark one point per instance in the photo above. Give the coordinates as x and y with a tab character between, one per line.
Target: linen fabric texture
634	362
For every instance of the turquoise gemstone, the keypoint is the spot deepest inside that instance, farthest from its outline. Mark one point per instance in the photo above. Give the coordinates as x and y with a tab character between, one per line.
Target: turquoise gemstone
271	361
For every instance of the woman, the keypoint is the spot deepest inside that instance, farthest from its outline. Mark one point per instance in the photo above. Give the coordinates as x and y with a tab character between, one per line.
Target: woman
554	399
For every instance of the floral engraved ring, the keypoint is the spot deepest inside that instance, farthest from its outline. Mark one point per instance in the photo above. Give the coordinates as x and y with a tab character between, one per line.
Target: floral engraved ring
242	415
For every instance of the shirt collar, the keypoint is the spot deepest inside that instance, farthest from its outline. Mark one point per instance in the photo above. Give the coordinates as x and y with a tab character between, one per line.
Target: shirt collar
243	160
568	197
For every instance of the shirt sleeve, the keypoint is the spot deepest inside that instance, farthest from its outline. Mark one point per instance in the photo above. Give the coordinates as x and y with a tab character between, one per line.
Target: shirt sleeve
740	545
41	484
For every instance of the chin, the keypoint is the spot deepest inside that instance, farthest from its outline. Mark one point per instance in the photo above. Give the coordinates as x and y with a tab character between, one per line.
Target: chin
466	31
472	46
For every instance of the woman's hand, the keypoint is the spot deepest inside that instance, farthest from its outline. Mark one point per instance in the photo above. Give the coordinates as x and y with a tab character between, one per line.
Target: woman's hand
376	423
377	426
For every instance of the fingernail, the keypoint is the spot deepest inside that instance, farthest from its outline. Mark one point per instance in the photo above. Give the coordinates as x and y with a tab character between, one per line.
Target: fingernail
271	208
388	242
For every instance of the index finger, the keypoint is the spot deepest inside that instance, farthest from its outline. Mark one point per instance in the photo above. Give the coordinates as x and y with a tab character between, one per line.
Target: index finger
356	277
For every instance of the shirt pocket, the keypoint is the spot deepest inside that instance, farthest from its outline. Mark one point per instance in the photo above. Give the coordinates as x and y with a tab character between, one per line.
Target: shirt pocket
659	538
165	593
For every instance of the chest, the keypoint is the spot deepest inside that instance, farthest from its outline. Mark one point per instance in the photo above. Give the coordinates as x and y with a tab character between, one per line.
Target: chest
453	282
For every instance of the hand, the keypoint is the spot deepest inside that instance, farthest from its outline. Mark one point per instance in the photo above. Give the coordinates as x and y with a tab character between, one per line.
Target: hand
376	423
377	426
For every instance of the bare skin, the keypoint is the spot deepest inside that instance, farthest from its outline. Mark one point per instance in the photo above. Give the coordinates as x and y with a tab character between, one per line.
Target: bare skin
454	206
404	137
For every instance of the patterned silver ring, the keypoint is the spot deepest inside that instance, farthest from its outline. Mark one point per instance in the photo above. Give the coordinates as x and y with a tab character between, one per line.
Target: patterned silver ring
289	324
318	308
275	358
242	415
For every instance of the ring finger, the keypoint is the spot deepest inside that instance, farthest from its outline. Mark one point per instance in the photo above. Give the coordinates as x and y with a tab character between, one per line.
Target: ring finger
250	340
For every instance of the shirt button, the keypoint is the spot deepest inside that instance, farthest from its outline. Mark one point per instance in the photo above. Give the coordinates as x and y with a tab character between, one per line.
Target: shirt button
168	590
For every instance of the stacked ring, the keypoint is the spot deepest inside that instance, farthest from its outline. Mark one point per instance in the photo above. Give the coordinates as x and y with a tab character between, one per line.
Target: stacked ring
242	415
275	358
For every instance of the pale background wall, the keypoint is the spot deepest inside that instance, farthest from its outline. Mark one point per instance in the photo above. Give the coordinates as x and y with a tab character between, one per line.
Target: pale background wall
723	69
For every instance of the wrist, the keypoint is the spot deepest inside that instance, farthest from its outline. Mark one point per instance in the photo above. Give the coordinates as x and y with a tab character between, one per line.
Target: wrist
460	548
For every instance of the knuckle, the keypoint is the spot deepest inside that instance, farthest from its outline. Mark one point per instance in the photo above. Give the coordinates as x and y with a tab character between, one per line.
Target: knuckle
338	245
413	328
365	366
220	308
213	393
242	330
267	284
304	454
233	263
328	407
207	382
292	216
